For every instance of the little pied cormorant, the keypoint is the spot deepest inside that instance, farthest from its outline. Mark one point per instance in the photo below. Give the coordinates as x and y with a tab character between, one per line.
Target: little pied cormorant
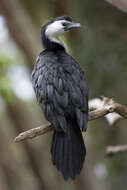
62	93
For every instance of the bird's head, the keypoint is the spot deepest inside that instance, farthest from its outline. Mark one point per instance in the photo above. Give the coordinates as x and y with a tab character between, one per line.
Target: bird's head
60	25
56	27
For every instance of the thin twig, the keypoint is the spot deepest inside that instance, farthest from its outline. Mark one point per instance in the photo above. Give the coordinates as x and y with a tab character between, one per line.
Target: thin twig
108	106
112	150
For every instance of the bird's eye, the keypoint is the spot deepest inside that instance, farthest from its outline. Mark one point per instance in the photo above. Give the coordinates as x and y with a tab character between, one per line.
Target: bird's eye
64	24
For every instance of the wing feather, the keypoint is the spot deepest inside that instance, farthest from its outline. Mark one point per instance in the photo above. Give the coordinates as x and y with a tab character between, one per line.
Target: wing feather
58	87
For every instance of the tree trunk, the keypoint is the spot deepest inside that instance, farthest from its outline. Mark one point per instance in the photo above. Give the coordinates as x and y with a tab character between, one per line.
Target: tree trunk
20	120
21	29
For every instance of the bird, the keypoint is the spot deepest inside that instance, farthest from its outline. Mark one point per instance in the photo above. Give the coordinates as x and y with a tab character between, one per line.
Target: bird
62	93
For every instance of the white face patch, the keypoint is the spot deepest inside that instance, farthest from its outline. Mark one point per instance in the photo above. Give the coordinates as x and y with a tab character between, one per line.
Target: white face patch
55	29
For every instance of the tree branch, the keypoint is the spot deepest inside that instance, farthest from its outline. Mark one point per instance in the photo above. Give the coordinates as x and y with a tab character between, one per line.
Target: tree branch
112	150
32	133
108	106
120	4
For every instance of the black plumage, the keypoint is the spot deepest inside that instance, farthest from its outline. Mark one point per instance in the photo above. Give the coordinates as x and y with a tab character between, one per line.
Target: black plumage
62	93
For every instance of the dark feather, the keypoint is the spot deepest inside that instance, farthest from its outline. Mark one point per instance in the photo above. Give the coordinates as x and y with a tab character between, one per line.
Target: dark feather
50	92
62	93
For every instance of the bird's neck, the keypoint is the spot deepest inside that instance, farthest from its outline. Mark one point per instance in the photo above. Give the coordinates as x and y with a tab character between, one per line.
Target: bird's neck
52	43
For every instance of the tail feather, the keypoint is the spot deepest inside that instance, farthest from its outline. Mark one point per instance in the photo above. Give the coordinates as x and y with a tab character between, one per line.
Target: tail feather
68	151
59	154
65	158
53	149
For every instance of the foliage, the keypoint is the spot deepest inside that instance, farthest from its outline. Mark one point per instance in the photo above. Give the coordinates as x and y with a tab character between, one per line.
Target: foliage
5	83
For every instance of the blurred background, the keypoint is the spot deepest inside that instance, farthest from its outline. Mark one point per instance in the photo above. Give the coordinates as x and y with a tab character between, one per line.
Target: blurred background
100	47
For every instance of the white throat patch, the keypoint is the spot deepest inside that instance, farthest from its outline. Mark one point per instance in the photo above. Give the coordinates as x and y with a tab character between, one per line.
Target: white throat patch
54	30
